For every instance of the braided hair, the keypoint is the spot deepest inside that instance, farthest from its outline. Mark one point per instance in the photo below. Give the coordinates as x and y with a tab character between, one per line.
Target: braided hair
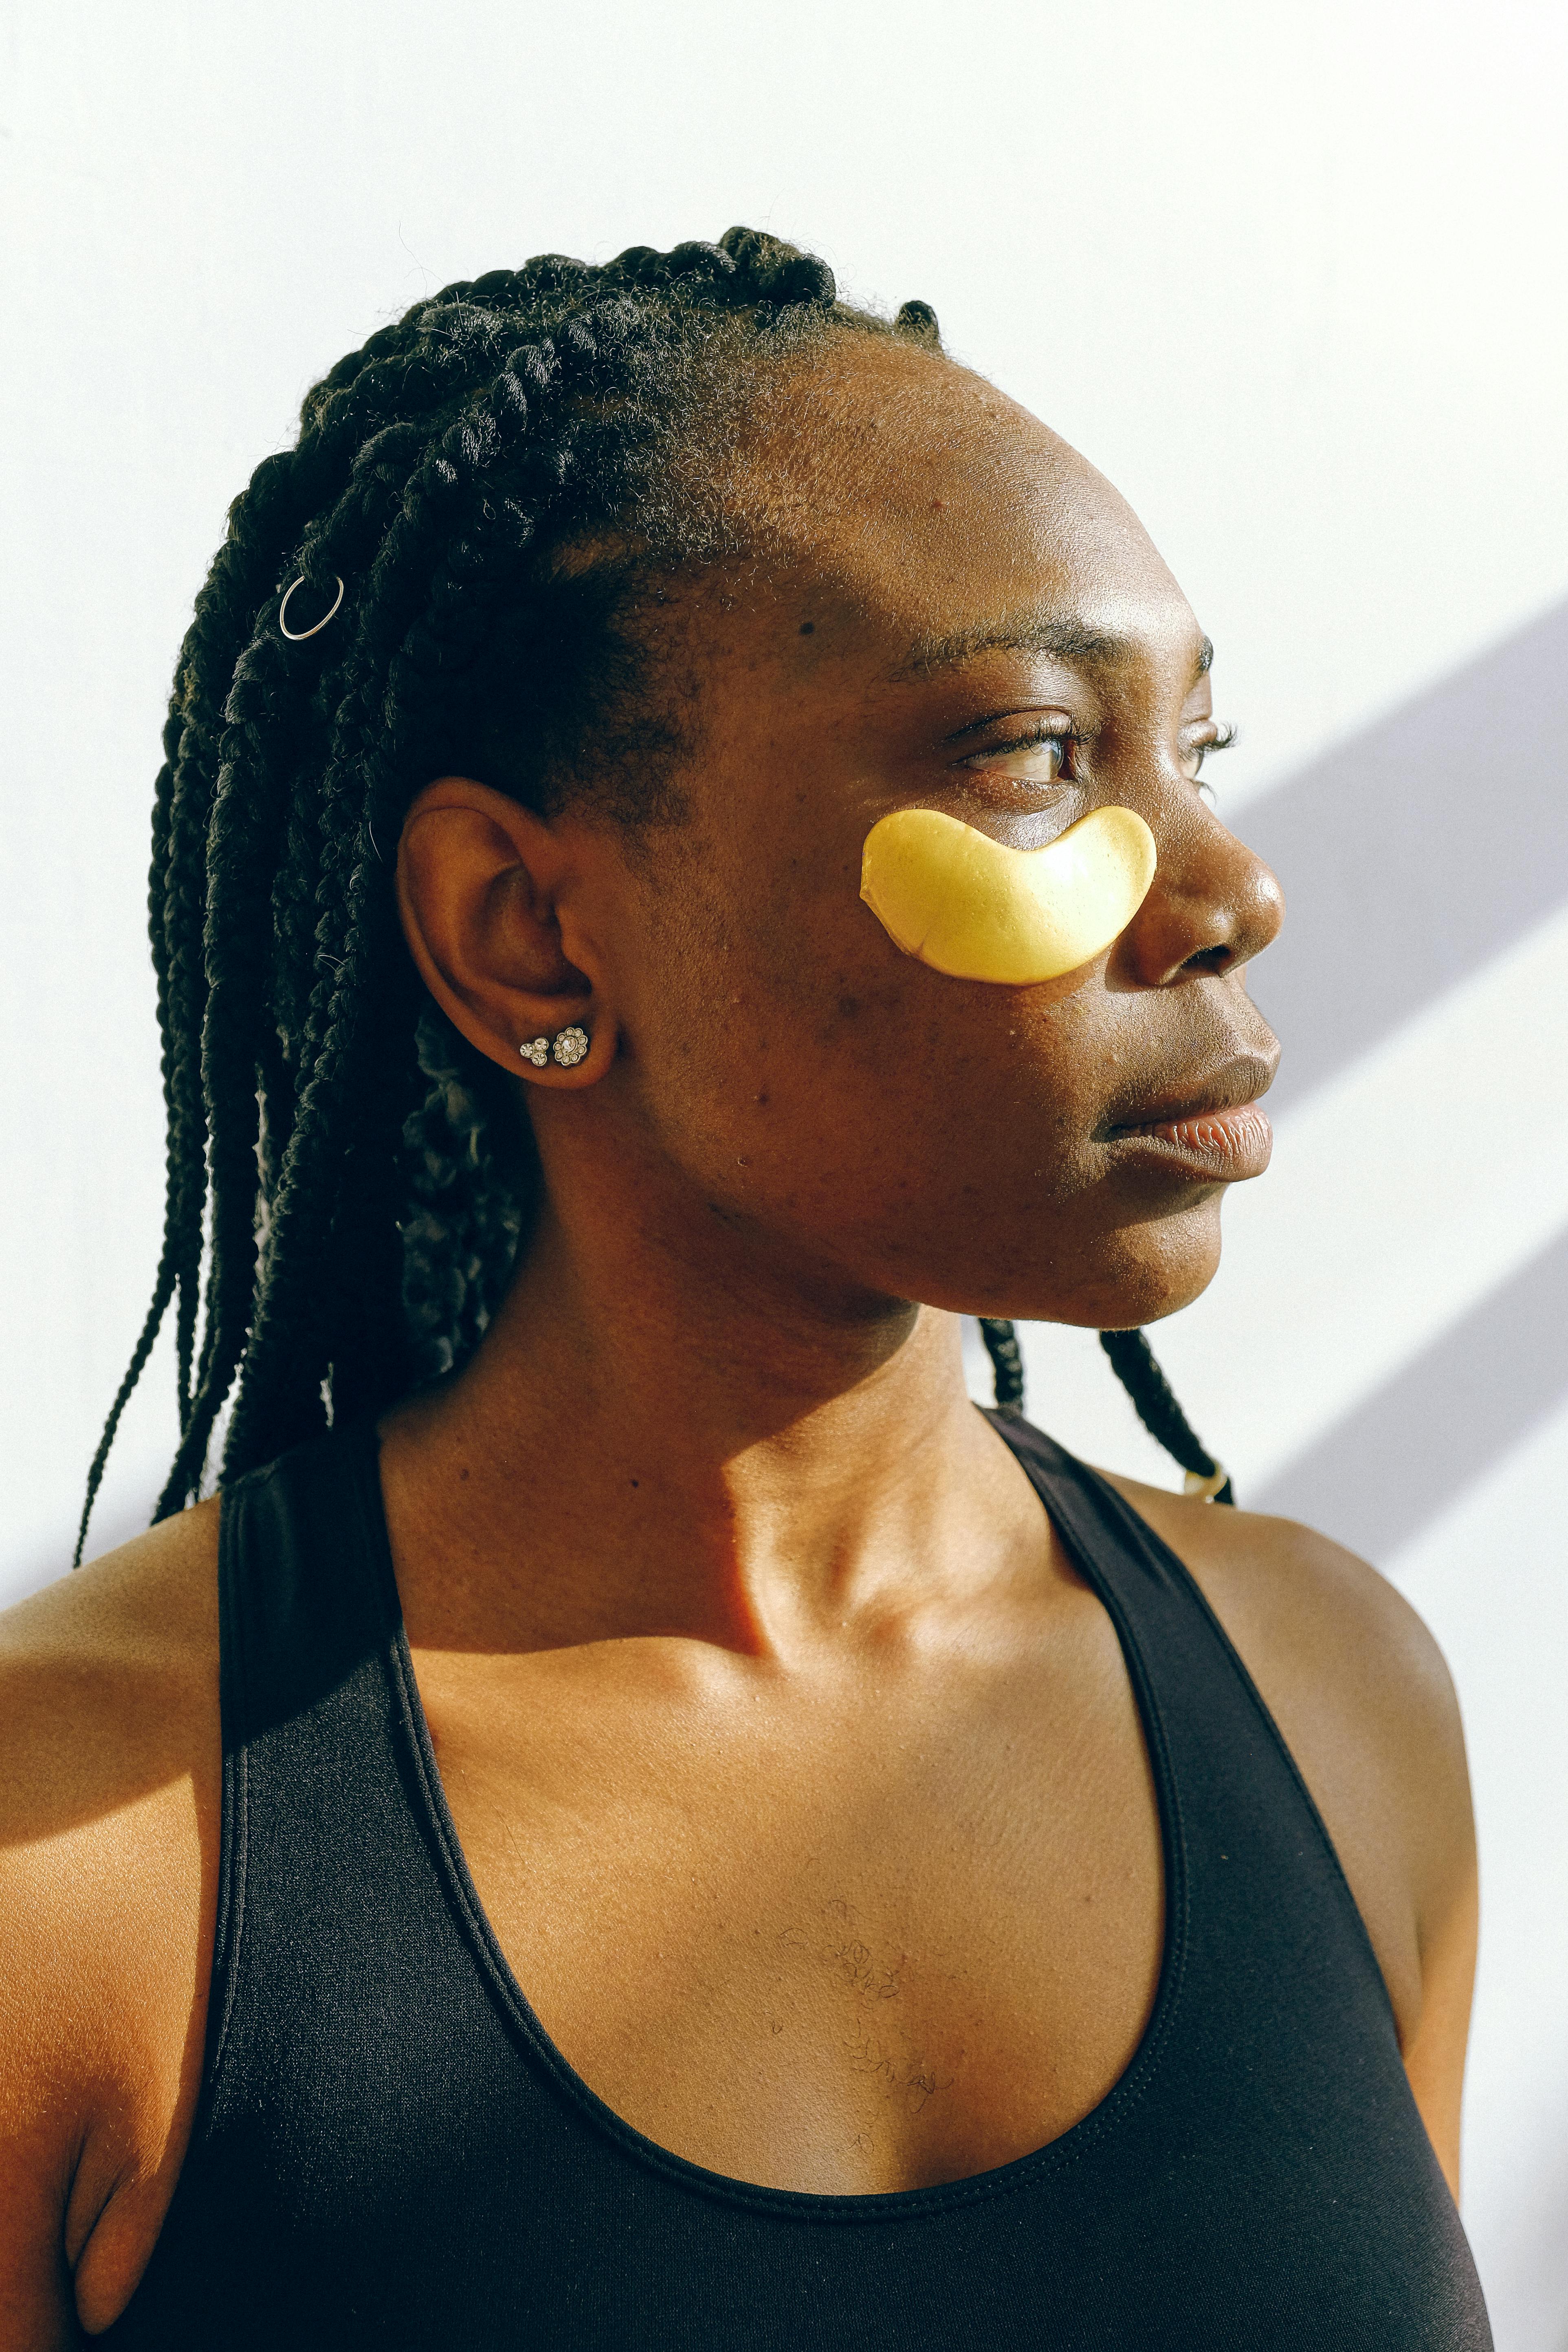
472	500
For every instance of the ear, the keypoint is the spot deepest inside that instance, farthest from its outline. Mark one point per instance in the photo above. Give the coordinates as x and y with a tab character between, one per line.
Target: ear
481	883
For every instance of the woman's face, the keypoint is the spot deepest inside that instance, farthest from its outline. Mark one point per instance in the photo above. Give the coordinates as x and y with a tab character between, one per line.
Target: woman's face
955	612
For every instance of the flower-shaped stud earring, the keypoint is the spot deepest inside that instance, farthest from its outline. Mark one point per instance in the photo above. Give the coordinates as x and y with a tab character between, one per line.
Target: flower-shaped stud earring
567	1047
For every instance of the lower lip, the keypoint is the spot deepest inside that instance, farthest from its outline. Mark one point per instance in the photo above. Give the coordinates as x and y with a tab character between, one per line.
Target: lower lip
1227	1144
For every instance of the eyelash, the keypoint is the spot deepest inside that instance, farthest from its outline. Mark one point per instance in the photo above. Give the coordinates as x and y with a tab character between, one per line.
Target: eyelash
1221	740
1066	736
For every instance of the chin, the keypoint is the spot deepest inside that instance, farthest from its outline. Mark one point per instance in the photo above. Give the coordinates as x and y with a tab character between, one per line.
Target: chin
1136	1275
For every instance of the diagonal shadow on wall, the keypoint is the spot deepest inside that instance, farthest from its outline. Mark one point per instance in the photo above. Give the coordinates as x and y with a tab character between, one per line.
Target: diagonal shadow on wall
1414	853
1389	1468
1411	856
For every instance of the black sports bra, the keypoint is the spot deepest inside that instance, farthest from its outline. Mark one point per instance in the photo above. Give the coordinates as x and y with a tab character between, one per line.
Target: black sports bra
389	2151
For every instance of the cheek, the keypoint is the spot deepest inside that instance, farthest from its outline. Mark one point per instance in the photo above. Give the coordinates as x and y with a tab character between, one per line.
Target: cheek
924	1137
796	1065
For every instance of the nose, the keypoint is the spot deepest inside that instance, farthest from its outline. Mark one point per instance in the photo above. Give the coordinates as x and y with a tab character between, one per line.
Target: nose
1213	904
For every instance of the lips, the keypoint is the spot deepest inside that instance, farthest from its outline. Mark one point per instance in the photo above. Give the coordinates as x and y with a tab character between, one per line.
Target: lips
1219	1130
1235	1142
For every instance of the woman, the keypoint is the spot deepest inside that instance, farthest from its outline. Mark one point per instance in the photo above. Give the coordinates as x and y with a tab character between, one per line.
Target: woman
678	1830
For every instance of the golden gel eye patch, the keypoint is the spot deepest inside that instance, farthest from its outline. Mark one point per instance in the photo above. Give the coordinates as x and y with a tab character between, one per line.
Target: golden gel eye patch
975	910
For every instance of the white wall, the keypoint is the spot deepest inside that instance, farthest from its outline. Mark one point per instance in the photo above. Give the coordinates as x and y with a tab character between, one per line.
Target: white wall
1292	274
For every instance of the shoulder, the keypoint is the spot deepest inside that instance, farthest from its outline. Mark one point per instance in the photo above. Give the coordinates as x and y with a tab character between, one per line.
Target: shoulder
1363	1699
99	1674
109	1776
1337	1653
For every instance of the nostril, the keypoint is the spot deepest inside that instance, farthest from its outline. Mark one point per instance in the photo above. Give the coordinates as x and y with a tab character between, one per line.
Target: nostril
1212	959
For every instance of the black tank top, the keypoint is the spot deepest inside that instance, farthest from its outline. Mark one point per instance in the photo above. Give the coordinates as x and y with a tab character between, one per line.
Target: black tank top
389	2151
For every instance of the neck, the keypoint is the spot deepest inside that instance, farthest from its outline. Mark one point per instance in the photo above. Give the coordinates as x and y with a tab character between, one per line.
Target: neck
733	1451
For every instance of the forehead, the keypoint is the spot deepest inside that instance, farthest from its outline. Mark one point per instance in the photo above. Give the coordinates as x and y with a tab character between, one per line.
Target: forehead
930	505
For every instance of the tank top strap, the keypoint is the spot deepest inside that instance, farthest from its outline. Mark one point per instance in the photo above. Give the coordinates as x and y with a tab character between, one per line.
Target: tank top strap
303	1589
1239	1819
1137	1574
308	1620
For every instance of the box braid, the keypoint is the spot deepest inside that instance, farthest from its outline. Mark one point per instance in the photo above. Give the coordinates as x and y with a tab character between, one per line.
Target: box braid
333	1143
1134	1362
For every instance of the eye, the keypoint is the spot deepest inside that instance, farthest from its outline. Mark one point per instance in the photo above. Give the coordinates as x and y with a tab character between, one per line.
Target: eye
1214	738
1041	756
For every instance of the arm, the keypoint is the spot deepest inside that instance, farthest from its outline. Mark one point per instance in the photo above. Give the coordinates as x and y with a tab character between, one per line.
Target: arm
109	1797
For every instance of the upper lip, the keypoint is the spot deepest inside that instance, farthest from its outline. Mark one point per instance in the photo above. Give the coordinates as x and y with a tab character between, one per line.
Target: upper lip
1233	1085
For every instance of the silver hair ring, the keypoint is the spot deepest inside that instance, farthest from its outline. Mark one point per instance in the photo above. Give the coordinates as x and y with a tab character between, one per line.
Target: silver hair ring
298	636
567	1047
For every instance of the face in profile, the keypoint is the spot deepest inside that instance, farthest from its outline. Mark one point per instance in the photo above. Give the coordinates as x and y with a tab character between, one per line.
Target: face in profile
949	610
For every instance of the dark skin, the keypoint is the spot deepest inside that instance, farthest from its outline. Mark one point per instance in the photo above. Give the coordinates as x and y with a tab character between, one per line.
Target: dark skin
796	1768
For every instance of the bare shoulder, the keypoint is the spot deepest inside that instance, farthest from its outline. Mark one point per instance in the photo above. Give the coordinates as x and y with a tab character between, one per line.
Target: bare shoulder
1364	1700
1335	1650
98	1673
110	1773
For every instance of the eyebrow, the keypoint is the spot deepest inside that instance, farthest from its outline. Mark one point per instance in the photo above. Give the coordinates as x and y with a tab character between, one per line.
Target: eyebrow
1065	636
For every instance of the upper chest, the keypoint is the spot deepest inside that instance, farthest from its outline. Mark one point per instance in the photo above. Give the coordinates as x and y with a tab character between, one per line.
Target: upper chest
845	1932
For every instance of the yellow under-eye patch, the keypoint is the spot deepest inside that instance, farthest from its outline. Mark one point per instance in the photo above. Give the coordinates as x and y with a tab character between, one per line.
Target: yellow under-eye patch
975	910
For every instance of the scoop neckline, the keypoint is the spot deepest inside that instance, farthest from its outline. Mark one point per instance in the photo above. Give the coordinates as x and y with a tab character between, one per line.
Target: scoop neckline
801	2204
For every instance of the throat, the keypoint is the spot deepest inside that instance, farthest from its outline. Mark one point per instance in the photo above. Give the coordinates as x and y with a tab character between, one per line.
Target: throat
511	1530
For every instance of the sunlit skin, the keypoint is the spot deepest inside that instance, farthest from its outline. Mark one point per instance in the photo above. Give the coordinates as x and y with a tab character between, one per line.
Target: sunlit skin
796	1769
